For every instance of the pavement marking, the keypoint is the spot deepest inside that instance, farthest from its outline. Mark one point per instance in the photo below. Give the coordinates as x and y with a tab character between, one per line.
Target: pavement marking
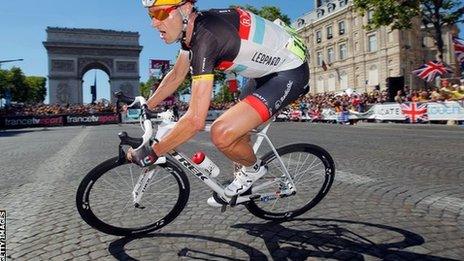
35	195
347	177
440	202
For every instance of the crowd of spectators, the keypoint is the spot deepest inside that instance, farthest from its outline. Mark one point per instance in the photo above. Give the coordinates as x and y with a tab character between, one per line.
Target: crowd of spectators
55	109
311	103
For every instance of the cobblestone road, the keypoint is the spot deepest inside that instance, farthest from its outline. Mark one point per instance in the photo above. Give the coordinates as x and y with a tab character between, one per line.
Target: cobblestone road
398	195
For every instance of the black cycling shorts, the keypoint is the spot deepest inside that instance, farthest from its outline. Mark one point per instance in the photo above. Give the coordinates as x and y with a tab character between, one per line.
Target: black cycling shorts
270	93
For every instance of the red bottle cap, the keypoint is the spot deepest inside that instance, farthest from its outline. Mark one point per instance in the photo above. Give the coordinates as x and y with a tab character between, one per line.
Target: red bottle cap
198	157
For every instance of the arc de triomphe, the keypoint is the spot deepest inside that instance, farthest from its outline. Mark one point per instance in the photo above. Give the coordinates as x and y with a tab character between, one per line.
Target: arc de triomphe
73	52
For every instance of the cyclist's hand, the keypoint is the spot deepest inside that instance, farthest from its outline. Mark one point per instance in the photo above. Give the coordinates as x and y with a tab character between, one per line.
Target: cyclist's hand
145	156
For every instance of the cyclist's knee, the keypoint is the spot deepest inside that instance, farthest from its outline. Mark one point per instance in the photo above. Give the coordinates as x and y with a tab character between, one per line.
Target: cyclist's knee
222	134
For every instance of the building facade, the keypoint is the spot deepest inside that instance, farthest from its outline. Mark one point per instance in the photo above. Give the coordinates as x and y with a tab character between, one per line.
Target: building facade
344	54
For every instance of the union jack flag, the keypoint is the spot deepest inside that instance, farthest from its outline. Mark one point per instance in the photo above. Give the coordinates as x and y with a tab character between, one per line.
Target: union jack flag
459	50
431	70
414	111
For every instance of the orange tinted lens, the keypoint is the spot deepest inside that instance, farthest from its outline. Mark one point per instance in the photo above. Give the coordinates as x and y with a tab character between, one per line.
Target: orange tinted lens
160	14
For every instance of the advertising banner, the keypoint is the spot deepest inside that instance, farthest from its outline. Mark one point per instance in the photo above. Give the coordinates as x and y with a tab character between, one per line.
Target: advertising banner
31	121
451	110
388	111
94	119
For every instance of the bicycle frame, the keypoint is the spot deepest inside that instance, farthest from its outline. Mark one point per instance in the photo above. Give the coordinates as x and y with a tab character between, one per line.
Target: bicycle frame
211	182
201	174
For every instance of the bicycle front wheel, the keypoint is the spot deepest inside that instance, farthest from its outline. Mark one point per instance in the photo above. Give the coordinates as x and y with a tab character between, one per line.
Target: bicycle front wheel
312	170
104	198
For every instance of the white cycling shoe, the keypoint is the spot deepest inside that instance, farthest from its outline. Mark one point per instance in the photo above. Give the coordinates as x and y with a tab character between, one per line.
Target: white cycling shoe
243	181
213	203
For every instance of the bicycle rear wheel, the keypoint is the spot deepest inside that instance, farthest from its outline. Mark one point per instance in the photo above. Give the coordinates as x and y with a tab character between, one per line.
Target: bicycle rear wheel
104	198
312	170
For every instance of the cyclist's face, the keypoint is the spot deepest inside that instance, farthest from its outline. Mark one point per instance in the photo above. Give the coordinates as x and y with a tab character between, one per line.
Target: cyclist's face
167	20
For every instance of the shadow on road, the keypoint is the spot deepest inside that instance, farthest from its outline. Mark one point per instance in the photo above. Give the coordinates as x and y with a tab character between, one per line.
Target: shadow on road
116	248
336	239
301	239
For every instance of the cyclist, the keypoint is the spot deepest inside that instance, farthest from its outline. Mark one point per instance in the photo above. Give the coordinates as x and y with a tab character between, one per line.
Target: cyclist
235	41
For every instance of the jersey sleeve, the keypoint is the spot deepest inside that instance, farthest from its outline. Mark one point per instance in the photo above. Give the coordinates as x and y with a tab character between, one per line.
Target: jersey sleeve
205	54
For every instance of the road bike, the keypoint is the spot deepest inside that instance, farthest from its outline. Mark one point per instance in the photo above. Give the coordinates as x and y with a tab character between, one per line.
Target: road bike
123	199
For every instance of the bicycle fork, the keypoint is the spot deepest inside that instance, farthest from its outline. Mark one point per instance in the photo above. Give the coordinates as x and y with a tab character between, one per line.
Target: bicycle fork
143	182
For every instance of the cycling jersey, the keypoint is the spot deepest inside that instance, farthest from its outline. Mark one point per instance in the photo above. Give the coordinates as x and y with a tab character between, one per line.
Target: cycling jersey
238	41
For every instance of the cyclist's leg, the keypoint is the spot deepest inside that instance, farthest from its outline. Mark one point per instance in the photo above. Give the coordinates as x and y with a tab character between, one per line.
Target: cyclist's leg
270	93
230	133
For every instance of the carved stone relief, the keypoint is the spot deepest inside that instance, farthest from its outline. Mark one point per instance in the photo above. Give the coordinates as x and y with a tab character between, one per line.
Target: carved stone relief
62	94
126	67
63	66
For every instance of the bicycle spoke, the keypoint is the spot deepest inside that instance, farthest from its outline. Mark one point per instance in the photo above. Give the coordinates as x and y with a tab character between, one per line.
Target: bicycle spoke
124	180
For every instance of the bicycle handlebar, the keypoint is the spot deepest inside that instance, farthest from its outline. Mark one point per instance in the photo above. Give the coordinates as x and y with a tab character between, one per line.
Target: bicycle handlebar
147	124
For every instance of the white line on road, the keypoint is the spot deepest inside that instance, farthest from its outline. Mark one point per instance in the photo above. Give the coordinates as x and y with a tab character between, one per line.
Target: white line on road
347	177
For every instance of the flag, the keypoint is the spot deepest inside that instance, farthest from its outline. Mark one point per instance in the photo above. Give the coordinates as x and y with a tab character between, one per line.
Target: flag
459	50
431	70
324	65
414	111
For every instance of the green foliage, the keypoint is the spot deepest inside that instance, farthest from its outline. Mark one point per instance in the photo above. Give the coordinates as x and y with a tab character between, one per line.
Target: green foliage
145	88
270	13
29	89
37	90
224	95
434	14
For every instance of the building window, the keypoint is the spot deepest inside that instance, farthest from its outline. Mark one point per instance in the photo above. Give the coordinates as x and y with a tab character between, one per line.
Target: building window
330	7
341	27
320	13
372	45
320	57
370	15
329	32
342	3
318	36
331	83
330	55
300	22
343	52
320	84
373	75
343	80
356	46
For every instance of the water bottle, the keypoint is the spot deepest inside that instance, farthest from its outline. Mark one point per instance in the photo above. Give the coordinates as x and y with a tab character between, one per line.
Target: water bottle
205	163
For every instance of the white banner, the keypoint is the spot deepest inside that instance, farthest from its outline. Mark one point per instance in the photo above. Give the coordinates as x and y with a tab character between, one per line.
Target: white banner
438	111
388	111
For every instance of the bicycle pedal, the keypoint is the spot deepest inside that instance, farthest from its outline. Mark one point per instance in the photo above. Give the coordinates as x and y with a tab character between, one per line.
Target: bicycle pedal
233	201
137	205
223	208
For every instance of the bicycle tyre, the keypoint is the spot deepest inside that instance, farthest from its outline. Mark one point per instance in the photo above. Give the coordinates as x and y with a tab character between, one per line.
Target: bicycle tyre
328	177
84	205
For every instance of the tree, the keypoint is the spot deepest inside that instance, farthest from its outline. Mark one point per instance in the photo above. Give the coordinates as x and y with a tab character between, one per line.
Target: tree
17	85
23	88
434	14
224	94
270	13
145	88
36	88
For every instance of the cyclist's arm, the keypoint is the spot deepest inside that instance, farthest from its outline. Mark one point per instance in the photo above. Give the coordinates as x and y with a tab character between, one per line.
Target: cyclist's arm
172	81
193	120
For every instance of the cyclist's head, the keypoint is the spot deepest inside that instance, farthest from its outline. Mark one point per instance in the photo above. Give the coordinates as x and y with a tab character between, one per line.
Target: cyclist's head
170	17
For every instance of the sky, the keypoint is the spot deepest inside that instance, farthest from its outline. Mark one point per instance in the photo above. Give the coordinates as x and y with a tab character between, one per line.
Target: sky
23	25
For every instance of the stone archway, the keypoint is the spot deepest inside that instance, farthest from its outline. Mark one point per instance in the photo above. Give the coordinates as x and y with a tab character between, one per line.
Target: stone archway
73	52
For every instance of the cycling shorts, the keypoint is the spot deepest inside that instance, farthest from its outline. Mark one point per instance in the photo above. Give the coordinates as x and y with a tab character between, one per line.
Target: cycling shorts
270	93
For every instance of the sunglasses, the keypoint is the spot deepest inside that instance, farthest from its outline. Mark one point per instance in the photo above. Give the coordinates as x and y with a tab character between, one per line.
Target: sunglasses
161	14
